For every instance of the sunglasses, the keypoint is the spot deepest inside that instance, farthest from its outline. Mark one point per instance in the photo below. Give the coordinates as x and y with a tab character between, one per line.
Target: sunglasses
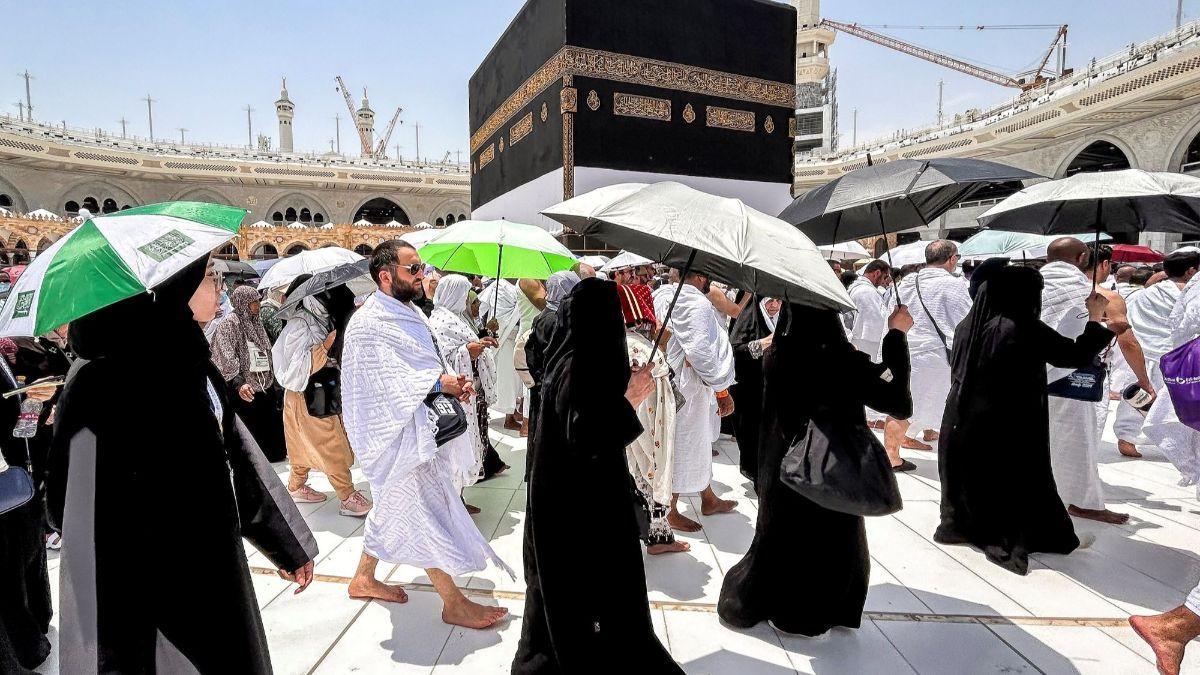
412	269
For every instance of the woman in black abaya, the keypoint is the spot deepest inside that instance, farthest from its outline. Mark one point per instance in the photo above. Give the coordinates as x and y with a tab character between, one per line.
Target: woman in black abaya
807	568
587	417
148	451
751	334
999	379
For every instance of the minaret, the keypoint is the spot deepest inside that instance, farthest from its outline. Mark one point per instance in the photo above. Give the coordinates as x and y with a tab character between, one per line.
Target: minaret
365	120
285	110
816	122
812	42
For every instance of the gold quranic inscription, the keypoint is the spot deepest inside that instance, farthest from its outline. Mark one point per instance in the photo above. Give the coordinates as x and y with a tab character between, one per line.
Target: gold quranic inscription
728	118
646	107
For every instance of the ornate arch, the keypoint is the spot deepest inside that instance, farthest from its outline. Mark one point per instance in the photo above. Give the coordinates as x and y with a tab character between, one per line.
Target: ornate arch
1180	143
283	250
201	194
1080	146
18	199
453	205
100	189
392	197
297	200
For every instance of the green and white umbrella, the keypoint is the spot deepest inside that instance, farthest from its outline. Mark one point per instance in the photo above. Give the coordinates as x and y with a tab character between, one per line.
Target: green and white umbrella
113	257
497	248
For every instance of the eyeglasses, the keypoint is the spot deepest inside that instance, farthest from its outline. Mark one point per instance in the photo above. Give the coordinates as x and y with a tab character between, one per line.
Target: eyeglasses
412	269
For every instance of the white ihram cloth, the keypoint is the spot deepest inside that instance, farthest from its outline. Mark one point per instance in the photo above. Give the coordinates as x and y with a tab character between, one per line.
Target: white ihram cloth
1074	428
869	317
650	455
1149	316
389	366
946	301
454	331
700	354
1179	442
508	314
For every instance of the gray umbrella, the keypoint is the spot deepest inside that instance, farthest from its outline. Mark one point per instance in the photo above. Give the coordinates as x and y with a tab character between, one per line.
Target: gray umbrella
892	197
354	275
234	268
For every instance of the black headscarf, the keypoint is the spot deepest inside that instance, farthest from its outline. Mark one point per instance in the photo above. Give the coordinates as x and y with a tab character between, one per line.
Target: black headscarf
590	322
810	341
339	302
1008	298
750	324
983	271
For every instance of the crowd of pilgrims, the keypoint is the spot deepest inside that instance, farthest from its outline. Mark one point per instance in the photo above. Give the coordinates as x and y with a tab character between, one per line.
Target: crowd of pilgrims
957	355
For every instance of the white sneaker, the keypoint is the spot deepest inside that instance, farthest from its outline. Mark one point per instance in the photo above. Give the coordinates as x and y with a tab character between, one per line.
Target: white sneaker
356	505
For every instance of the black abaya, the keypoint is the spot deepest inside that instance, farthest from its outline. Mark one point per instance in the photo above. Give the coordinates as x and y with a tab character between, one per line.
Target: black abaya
807	569
535	363
127	469
999	380
747	391
578	448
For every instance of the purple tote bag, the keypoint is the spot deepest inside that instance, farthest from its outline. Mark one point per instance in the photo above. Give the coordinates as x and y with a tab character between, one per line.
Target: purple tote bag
1181	372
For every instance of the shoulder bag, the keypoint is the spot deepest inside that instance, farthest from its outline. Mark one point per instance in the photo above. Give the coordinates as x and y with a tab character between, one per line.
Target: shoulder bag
1089	383
936	327
451	418
323	395
840	465
16	484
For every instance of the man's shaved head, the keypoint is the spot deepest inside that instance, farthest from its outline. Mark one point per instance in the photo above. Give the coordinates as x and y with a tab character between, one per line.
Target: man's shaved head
1125	273
1069	250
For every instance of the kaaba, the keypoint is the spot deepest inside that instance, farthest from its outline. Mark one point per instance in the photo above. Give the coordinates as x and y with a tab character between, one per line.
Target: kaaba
579	94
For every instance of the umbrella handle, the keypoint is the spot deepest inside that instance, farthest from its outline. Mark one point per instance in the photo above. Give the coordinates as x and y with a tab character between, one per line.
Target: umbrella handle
496	296
662	325
887	248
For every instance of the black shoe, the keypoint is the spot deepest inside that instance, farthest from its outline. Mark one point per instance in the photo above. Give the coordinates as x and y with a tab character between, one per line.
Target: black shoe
903	466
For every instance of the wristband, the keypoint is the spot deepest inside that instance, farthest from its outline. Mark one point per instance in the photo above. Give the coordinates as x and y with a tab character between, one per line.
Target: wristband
437	387
724	393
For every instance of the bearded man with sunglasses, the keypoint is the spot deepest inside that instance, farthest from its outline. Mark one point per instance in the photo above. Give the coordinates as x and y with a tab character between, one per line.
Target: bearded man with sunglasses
391	370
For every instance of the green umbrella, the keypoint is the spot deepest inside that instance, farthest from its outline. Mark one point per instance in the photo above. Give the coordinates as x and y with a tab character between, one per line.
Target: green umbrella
113	257
497	248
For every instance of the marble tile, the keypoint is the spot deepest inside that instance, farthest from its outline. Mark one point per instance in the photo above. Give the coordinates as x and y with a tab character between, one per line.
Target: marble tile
843	650
300	628
387	637
953	648
1127	637
471	652
1066	650
702	646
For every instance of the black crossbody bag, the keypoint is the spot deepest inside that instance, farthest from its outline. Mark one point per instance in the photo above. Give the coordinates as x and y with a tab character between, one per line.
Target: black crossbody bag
451	418
936	327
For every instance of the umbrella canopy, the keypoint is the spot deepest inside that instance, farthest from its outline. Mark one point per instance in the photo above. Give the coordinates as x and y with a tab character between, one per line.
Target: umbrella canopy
1128	201
723	238
393	223
42	214
848	250
113	257
1128	253
420	237
234	268
260	224
892	197
625	259
991	243
497	248
595	261
906	254
363	222
354	274
261	266
306	262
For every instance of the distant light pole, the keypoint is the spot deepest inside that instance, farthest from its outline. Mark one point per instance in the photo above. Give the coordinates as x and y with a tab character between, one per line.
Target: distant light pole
123	122
28	98
337	132
150	114
417	129
182	131
20	110
249	127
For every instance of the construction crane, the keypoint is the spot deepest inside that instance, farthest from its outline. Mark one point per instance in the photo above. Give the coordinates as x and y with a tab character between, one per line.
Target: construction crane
387	135
446	158
364	135
1024	81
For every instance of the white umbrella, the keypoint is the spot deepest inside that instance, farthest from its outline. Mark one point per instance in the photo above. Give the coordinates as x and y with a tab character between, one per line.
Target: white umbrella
847	250
363	222
595	261
261	224
42	214
625	259
723	238
423	225
906	254
296	225
5	212
393	223
306	262
420	237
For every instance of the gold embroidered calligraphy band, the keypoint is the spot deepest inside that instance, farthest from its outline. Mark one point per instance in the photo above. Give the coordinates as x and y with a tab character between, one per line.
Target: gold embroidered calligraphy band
635	70
632	105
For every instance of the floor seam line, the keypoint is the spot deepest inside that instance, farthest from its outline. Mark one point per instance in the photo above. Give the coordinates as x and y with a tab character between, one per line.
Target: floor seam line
338	639
1016	651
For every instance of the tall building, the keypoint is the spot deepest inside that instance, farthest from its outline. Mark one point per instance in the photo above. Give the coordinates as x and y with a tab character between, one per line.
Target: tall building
816	104
285	110
365	119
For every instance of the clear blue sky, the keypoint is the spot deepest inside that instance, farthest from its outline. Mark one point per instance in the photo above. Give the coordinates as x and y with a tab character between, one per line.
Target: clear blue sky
204	61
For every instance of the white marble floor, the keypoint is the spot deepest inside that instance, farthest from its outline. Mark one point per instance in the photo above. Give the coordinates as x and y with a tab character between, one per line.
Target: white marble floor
931	609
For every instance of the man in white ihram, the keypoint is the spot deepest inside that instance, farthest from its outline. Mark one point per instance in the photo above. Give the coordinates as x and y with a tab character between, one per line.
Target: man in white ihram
1074	425
938	301
702	358
390	365
868	321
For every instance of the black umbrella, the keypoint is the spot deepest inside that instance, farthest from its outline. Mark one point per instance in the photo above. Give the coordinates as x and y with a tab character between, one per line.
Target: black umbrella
234	268
355	274
892	197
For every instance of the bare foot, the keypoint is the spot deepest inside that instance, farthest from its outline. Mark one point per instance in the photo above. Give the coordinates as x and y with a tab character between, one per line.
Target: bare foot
1128	449
717	506
929	436
1102	515
679	523
371	588
675	547
1157	633
472	509
914	444
472	615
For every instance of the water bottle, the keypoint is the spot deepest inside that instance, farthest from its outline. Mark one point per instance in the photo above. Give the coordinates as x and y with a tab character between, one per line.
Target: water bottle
31	412
1139	398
